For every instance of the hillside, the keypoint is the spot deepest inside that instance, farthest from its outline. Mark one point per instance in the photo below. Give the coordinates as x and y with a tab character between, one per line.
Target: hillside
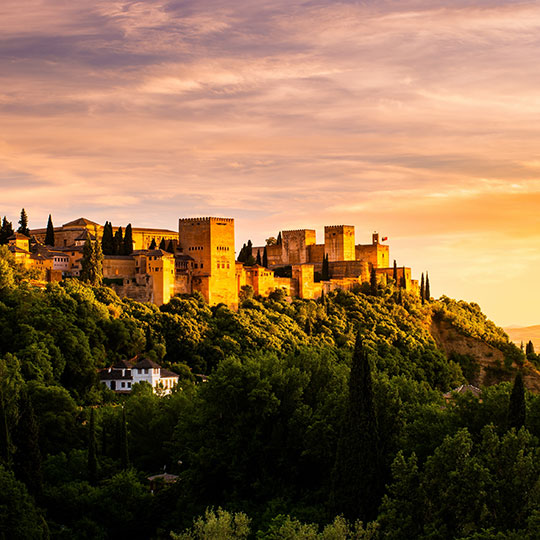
262	436
524	334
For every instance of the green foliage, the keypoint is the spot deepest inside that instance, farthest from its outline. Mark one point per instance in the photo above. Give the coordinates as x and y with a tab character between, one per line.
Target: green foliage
49	236
107	240
23	224
92	263
516	406
217	525
6	230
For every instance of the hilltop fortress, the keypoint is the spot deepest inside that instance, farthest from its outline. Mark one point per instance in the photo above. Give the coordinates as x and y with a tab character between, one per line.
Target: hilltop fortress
203	259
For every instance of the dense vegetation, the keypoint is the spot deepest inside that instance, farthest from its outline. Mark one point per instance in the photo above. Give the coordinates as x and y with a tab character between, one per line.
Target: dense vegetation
266	447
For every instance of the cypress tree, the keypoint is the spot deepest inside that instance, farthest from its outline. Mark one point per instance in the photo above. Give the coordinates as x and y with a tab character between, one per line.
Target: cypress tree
118	241
86	261
162	244
124	448
92	449
258	258
325	274
6	231
356	477
152	244
97	262
128	240
373	282
529	348
170	247
92	263
395	273
107	241
516	406
279	240
427	292
23	224
5	443
422	289
250	259
49	237
27	459
265	258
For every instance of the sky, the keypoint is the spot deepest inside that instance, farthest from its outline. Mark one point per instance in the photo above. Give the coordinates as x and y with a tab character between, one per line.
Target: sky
417	119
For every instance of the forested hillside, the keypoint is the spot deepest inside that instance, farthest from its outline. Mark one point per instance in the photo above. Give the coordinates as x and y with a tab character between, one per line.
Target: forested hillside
319	419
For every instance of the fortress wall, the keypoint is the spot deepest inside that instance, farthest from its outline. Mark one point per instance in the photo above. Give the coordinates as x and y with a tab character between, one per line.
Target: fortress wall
376	255
182	284
118	267
275	255
285	283
316	253
295	245
140	293
348	269
210	242
339	242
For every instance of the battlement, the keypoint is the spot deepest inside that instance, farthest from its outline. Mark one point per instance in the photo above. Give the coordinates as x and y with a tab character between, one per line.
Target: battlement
298	231
339	227
206	219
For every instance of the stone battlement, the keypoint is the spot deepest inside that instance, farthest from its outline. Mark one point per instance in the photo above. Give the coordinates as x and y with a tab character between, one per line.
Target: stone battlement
207	219
337	226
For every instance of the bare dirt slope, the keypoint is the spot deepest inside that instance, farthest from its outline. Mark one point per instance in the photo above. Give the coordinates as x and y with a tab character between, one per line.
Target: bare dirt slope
489	360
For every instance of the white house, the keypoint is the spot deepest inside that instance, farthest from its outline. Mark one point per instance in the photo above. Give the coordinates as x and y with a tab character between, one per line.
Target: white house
124	374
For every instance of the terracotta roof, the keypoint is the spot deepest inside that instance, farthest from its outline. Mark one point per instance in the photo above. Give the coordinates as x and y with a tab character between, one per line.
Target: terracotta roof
113	374
17	249
463	389
81	222
165	373
17	235
157	253
124	364
84	235
166	477
145	363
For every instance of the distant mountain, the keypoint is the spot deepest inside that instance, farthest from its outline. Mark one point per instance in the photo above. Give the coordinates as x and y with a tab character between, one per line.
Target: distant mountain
517	334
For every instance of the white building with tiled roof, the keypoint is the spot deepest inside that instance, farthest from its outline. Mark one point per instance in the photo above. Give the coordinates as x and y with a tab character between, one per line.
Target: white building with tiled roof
123	375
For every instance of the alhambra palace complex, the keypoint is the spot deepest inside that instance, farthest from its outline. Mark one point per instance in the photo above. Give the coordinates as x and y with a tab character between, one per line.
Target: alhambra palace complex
204	261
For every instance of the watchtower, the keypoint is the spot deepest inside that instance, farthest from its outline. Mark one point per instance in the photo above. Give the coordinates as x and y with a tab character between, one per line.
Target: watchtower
339	243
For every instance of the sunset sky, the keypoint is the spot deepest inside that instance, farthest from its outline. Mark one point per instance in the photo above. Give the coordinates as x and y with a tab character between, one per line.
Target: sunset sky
418	119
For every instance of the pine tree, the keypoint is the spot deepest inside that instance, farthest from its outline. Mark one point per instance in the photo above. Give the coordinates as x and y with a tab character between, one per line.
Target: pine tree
153	244
124	448
23	224
427	292
356	477
49	237
516	406
92	263
258	258
6	231
373	282
92	449
107	241
128	240
265	258
395	273
118	242
27	459
162	244
422	289
325	274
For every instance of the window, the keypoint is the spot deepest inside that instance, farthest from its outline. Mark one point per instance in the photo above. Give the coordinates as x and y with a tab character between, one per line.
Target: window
129	385
146	371
123	385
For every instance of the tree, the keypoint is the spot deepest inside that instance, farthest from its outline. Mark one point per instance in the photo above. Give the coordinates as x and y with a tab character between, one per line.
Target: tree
427	292
6	231
356	478
516	406
217	524
27	460
23	224
153	244
128	240
92	263
325	274
92	449
395	273
258	258
49	237
529	348
124	448
118	242
170	247
265	258
279	240
107	240
162	244
373	281
422	289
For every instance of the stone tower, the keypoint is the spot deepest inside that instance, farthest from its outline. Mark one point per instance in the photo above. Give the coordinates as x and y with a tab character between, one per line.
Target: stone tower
209	242
339	243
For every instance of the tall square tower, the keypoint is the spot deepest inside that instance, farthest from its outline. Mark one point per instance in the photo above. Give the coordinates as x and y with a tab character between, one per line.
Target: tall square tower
339	243
210	243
